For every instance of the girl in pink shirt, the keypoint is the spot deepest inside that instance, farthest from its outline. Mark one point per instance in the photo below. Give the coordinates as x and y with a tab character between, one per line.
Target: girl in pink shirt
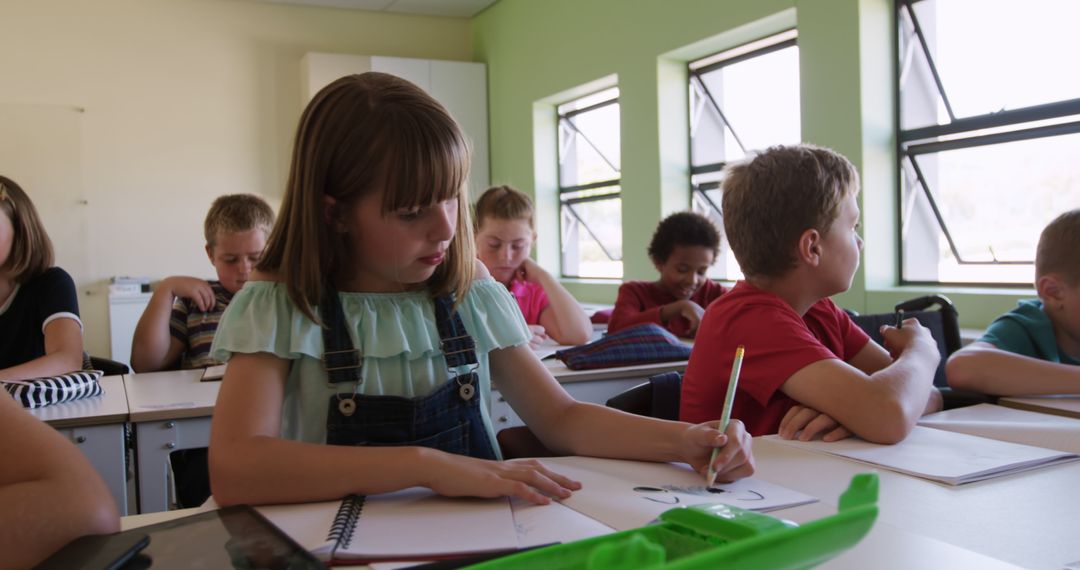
504	237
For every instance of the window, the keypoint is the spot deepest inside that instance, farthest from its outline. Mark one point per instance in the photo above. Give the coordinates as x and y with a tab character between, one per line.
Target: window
741	100
989	135
589	192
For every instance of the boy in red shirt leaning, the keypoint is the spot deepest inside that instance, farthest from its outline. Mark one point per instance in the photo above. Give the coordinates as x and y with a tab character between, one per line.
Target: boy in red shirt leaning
682	249
791	217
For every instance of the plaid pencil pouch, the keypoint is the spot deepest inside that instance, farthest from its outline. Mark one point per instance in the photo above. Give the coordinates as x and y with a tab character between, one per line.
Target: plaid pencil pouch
643	344
40	392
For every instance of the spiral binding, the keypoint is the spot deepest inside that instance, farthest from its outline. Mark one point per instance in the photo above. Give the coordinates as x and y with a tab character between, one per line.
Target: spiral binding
341	531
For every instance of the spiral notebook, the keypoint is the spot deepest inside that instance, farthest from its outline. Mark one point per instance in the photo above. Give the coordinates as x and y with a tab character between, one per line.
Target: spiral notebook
411	524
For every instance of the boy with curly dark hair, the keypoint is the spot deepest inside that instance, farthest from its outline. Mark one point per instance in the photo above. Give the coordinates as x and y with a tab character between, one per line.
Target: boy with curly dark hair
682	249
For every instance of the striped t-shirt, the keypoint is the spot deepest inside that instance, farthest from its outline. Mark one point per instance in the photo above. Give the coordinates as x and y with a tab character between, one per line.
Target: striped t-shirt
196	329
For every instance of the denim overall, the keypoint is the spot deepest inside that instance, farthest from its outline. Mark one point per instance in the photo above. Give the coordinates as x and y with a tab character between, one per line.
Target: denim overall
448	419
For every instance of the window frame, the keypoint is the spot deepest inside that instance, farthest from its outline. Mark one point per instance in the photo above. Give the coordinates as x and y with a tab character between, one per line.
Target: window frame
764	45
960	133
567	204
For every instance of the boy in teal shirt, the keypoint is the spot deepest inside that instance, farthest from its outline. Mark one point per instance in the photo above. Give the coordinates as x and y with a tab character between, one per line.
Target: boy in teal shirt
1035	348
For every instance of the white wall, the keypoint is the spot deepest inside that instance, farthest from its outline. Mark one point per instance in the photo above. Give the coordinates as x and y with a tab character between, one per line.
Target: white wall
182	100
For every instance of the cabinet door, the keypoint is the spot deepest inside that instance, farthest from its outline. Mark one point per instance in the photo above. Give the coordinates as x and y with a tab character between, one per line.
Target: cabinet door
462	87
417	71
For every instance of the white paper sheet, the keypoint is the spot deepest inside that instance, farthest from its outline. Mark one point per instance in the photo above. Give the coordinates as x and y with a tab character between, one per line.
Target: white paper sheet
944	456
630	494
1008	424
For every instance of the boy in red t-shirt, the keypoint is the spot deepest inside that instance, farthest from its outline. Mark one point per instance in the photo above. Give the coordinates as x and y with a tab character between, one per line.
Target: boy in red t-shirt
683	248
791	218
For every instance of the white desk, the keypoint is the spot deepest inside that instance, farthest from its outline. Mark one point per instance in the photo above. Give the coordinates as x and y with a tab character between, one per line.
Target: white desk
886	547
1058	406
96	427
1028	519
170	411
595	386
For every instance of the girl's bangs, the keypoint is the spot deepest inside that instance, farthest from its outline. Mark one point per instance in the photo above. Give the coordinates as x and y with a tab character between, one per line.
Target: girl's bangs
425	166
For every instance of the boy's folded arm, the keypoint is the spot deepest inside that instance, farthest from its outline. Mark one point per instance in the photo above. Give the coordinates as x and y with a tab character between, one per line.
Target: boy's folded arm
983	367
153	347
881	407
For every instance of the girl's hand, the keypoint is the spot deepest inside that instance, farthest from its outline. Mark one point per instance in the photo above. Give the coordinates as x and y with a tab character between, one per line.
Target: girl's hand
808	423
531	272
735	459
461	476
539	336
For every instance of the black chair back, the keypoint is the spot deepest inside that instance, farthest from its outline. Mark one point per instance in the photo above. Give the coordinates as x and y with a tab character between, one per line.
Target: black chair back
109	367
658	397
942	323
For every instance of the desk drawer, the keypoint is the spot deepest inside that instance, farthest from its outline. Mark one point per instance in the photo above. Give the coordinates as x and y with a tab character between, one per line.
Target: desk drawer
502	415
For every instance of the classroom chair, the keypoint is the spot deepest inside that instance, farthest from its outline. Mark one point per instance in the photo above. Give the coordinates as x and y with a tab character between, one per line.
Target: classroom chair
944	325
520	441
658	397
109	367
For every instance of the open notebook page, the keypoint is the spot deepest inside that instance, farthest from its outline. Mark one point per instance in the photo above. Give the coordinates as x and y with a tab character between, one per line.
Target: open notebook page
944	456
630	494
411	524
1008	424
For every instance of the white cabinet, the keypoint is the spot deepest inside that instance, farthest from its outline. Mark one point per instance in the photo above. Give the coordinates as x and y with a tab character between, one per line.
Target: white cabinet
124	314
461	86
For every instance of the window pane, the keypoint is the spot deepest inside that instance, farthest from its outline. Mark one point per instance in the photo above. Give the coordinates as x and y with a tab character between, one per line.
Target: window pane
592	238
755	88
589	146
760	98
707	203
991	55
591	220
995	200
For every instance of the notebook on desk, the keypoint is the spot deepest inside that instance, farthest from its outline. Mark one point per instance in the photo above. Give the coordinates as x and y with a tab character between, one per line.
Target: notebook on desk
629	494
411	524
1008	424
943	456
213	373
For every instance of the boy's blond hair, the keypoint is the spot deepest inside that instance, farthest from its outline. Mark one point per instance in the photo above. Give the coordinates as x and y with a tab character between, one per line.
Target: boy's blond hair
31	248
1058	248
772	198
503	203
235	213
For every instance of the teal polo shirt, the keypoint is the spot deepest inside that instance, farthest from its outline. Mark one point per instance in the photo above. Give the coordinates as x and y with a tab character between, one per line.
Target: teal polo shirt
1026	330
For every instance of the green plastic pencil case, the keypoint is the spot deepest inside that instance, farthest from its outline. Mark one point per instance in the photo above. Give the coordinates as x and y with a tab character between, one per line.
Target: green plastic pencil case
714	536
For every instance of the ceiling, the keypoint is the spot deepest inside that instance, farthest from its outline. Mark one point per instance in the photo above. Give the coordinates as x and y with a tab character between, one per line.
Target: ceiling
448	8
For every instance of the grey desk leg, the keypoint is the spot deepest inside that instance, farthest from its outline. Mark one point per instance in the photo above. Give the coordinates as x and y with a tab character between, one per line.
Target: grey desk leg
154	442
104	446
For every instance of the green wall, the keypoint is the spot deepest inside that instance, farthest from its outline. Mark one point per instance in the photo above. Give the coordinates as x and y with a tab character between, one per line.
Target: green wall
540	53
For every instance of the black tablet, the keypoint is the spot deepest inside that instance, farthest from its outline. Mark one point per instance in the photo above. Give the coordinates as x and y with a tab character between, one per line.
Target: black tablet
97	552
232	537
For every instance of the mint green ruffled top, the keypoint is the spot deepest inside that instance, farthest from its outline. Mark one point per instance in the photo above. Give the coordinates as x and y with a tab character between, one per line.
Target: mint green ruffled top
395	333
